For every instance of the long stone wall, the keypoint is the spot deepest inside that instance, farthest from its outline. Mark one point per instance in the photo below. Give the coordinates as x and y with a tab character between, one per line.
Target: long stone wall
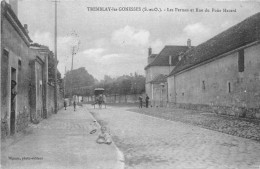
116	98
122	98
243	112
220	86
50	100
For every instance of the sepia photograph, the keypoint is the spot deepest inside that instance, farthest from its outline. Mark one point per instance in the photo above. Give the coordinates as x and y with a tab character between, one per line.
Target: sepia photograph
130	84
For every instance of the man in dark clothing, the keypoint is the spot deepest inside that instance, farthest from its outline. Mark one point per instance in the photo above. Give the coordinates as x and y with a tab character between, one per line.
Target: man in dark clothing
74	104
65	104
146	101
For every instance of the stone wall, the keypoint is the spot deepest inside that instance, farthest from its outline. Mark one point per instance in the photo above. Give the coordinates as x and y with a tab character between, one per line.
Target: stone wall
159	95
4	93
153	72
116	98
23	120
17	58
50	100
21	58
220	84
122	98
4	128
32	92
39	88
148	89
243	112
171	89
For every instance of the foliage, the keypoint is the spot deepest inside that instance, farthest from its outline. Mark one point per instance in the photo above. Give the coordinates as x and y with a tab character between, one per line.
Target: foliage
78	82
123	85
51	70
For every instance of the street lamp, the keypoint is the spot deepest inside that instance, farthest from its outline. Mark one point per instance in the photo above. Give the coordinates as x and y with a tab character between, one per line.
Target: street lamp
161	99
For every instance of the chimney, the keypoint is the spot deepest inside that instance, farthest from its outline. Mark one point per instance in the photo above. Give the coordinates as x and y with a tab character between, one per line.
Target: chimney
26	28
189	43
14	6
149	51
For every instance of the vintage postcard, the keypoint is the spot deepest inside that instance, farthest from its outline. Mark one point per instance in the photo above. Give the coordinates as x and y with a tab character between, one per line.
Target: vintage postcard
135	84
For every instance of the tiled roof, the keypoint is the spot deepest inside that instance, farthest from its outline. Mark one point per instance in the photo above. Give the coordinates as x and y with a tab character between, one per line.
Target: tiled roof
162	58
159	79
245	32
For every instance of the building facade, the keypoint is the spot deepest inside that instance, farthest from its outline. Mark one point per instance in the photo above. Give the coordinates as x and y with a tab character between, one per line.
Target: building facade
24	76
158	67
222	74
15	79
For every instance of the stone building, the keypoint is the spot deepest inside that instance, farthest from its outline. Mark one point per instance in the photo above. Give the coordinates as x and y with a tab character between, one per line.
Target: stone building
159	92
24	75
221	74
15	108
158	66
41	95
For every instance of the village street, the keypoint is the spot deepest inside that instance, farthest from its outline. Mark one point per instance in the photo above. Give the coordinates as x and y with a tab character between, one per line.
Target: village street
149	142
62	141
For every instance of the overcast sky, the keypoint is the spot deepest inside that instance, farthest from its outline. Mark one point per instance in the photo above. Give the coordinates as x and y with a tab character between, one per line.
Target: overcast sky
115	43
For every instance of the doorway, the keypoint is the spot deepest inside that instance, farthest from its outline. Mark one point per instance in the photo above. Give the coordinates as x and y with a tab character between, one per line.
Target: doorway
13	100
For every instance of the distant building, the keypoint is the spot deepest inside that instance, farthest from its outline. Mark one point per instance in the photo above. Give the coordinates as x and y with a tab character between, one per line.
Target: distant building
160	65
221	74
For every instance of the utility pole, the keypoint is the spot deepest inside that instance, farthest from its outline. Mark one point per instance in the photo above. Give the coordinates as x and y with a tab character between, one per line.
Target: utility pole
73	51
55	67
1	62
75	46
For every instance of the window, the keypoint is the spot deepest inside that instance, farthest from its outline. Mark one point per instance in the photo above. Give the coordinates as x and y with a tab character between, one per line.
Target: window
241	61
203	85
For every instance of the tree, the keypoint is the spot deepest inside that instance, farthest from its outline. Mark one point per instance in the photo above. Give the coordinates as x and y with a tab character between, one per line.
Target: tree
51	71
78	82
123	85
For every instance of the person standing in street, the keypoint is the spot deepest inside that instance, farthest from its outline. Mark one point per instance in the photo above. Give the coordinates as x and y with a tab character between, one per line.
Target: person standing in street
140	101
146	101
65	104
74	104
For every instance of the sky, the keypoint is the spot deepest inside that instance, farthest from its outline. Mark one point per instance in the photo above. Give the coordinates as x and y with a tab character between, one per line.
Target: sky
116	42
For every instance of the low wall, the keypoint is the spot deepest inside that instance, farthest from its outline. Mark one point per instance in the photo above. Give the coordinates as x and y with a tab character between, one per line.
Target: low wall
243	112
122	99
116	98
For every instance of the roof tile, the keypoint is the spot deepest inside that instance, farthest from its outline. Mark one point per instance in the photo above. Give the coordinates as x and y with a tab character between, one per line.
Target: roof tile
162	59
245	32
